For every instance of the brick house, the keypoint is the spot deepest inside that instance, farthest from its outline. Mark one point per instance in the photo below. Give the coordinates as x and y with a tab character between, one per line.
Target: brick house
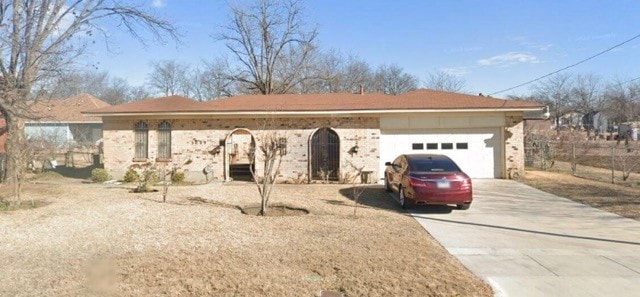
327	135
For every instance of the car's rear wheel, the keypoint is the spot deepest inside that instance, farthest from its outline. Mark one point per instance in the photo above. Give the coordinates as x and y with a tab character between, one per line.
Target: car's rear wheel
401	198
463	206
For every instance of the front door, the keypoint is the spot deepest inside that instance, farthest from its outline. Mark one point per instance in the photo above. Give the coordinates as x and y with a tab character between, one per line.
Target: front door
325	155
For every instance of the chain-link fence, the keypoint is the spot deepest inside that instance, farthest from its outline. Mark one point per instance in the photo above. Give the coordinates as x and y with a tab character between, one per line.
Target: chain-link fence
607	161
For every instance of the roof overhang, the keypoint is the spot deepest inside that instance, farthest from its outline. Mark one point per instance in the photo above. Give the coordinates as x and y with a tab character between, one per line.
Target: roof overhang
306	112
63	122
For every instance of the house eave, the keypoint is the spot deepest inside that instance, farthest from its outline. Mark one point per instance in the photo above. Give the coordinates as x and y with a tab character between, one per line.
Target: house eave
305	113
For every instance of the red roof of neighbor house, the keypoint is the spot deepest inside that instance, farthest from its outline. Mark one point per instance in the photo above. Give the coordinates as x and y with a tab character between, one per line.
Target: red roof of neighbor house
3	136
67	110
416	100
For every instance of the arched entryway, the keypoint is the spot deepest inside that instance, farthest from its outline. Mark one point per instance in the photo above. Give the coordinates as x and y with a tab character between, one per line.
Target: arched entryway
325	154
239	155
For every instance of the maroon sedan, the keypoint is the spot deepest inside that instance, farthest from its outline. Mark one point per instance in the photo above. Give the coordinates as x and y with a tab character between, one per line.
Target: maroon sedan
428	179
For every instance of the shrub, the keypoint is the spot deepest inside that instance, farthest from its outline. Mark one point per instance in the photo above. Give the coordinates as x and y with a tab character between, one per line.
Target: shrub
147	175
100	175
177	177
130	176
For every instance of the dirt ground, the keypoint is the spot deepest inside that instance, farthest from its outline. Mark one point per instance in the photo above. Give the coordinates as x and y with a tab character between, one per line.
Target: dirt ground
597	174
618	199
103	240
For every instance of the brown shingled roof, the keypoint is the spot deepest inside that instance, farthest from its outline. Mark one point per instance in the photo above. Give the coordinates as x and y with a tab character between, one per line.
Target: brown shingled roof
415	100
67	110
419	99
164	104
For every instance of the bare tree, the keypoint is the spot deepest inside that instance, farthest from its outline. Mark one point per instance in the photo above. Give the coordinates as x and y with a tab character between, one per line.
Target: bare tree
586	93
169	78
113	90
586	98
212	81
442	81
391	79
356	73
622	101
628	159
555	92
271	44
42	37
271	148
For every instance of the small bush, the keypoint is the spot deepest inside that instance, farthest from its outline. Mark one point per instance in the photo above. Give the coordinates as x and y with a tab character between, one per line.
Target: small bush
130	176
100	175
177	177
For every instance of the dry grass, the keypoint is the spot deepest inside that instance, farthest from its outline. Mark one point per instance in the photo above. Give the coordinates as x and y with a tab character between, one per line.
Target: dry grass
621	200
98	240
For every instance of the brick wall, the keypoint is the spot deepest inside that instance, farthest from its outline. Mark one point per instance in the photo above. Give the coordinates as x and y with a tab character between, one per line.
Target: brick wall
514	146
195	140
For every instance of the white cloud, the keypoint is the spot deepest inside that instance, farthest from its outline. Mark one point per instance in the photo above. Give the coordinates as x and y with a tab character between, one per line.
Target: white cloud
509	59
159	3
455	71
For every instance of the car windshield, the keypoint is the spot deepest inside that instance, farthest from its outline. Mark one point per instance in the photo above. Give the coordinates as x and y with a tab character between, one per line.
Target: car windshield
427	165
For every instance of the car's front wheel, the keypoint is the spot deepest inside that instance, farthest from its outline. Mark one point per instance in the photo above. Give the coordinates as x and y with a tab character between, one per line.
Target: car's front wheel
402	199
387	186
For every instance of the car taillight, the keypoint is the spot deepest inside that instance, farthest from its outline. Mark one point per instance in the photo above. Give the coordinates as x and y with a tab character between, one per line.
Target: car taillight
414	182
466	183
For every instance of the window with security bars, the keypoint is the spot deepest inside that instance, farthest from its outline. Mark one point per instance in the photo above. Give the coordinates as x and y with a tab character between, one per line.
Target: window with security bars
164	140
142	140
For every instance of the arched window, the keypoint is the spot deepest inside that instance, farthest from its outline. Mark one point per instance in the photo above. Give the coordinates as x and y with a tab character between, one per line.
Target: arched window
142	140
164	140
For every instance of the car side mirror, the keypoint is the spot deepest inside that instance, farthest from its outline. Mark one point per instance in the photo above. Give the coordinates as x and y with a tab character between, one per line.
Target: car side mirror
388	164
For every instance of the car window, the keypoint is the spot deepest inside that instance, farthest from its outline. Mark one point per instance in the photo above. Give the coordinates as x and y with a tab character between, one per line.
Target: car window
426	165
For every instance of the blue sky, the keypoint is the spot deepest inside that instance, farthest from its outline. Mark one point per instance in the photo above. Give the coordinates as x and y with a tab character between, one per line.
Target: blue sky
493	45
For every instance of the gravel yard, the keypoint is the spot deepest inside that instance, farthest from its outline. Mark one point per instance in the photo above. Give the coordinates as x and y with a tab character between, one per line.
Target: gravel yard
101	240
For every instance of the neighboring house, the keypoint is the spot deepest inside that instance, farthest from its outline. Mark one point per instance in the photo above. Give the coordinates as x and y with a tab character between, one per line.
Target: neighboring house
537	121
328	135
571	120
595	121
62	122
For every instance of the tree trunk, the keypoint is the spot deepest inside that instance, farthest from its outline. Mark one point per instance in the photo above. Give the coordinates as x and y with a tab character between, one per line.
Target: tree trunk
15	155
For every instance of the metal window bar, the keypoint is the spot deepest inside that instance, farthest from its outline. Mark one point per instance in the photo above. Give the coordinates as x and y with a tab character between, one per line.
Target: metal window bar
142	140
164	140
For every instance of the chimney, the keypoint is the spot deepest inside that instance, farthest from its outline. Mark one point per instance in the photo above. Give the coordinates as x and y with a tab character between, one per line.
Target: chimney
361	89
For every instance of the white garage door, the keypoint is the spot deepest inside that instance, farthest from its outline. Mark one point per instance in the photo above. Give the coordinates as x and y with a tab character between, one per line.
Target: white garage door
477	152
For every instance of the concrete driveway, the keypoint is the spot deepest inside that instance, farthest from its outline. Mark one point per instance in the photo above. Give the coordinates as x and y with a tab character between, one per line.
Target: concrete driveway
525	242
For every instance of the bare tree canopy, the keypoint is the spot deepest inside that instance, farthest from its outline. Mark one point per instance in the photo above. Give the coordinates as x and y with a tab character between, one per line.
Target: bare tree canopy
555	91
391	79
271	44
42	37
586	94
113	90
169	77
442	81
622	101
211	81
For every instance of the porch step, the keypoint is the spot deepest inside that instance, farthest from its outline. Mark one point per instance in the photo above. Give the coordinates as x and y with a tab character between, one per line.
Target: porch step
241	172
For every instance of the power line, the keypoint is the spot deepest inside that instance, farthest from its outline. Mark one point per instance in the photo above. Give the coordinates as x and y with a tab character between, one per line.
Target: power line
567	67
628	81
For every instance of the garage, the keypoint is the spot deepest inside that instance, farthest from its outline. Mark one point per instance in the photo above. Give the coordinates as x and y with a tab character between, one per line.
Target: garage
478	151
